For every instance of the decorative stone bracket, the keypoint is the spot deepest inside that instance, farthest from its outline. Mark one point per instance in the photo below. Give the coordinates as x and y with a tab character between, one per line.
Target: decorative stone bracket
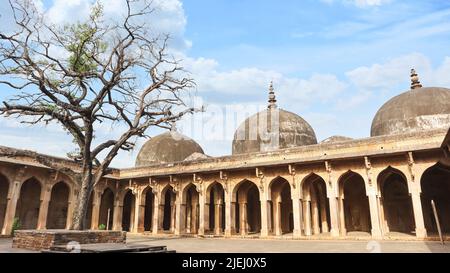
329	170
291	169
224	178
198	182
411	165
153	185
55	176
133	187
368	167
176	185
260	175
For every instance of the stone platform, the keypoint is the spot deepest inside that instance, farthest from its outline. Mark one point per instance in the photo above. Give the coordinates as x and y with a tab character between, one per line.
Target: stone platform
46	239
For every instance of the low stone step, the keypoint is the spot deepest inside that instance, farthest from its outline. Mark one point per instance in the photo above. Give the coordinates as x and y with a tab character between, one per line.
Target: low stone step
109	248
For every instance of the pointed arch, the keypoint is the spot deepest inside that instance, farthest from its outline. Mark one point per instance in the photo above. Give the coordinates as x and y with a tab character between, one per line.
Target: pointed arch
4	189
435	184
128	210
215	208
168	198
353	203
398	215
58	206
248	208
107	208
191	200
28	205
316	210
147	201
281	209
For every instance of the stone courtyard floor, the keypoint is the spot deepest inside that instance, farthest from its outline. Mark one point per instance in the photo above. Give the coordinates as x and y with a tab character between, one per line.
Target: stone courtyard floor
235	245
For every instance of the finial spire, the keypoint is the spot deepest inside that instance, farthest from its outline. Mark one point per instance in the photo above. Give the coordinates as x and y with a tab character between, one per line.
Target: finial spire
415	83
272	98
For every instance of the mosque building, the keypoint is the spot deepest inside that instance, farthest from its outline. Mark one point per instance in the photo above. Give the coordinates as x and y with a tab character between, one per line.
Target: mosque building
278	182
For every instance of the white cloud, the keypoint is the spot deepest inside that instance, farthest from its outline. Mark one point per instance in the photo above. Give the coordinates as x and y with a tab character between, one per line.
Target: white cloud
395	72
167	18
253	82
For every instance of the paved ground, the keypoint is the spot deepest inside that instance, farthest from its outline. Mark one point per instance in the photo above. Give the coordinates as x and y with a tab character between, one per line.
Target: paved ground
198	245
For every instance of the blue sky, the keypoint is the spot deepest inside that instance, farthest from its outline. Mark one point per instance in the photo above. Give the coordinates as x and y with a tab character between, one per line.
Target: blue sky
334	62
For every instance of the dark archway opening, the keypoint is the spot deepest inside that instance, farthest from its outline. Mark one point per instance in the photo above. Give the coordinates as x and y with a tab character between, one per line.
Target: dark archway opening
216	209
355	203
169	210
4	187
435	184
58	206
107	209
28	204
128	211
316	208
148	214
282	217
191	221
397	203
248	210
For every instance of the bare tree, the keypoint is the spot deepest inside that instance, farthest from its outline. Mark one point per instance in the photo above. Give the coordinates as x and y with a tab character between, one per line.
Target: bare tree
83	74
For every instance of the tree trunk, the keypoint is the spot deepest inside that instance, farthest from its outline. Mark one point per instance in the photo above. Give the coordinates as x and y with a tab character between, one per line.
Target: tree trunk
81	205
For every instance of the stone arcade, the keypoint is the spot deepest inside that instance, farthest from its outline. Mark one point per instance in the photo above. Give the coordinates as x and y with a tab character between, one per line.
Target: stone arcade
380	186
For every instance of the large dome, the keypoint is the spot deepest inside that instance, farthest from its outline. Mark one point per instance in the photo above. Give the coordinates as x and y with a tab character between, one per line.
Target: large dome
284	130
168	147
415	110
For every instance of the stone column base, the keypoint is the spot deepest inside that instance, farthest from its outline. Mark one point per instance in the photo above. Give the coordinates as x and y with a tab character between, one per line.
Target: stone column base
421	233
376	234
335	232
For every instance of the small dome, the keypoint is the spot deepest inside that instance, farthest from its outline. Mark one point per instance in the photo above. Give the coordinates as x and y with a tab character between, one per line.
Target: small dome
289	130
165	148
413	111
416	110
335	139
272	129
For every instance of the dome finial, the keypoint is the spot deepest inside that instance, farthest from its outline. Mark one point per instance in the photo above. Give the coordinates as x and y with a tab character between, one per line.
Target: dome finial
415	83
272	98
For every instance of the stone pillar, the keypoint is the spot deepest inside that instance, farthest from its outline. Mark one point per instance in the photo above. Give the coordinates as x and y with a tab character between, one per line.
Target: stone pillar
264	217
139	214
70	205
177	212
43	208
158	214
188	218
11	205
95	210
218	218
421	232
307	214
117	218
202	215
230	213
194	218
384	225
334	216
243	228
342	226
315	217
374	213
323	214
277	218
298	219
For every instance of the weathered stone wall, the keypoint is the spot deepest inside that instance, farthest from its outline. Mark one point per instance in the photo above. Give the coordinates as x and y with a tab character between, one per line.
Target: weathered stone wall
45	239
